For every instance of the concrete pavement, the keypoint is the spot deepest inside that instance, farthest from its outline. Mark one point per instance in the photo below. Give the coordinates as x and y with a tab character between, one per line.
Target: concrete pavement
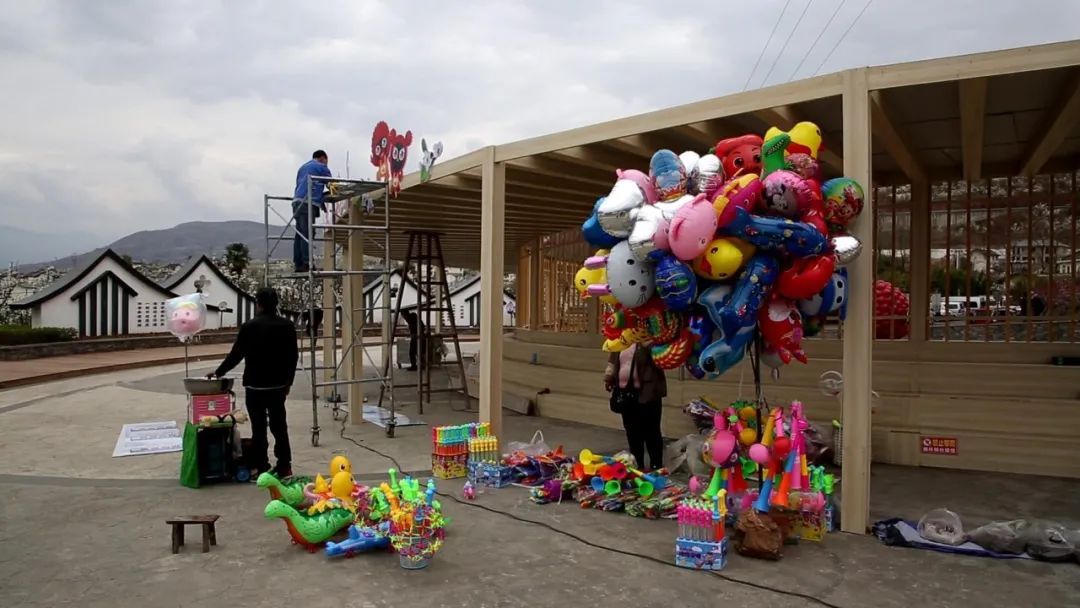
79	528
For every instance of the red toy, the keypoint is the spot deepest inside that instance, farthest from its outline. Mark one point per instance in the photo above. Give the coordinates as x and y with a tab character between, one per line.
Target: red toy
781	327
399	153
380	148
739	155
806	277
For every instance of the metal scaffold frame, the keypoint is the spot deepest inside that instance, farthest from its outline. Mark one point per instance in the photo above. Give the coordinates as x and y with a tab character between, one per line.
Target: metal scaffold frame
337	236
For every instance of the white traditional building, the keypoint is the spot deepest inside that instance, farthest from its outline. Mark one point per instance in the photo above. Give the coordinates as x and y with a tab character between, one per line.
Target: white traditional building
200	274
373	294
465	300
105	296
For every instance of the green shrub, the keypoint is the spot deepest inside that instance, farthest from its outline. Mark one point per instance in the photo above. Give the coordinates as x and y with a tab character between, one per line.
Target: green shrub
12	335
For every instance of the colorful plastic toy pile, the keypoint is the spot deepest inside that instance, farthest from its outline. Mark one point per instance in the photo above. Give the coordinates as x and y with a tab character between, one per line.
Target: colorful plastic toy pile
704	253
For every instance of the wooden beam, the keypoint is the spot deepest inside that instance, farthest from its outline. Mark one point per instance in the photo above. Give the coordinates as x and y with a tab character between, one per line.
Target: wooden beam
534	284
1026	59
562	171
643	145
972	119
785	117
859	326
895	142
730	105
492	254
1057	125
597	156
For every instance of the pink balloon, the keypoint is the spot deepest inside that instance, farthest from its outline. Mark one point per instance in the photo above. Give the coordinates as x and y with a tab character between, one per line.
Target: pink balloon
759	454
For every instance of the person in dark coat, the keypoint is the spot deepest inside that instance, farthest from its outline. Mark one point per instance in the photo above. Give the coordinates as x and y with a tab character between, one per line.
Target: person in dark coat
415	327
267	346
642	424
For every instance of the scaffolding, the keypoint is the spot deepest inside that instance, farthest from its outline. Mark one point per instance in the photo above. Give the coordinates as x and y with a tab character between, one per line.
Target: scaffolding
338	237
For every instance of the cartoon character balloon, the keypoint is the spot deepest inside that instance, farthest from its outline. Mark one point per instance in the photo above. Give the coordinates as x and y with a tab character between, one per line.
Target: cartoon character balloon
831	299
707	176
380	151
739	311
594	233
630	280
739	155
668	175
722	259
618	210
676	283
692	229
781	328
186	315
843	200
806	276
399	155
798	239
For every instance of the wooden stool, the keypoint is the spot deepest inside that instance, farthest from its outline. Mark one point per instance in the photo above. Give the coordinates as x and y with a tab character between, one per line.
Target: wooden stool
209	534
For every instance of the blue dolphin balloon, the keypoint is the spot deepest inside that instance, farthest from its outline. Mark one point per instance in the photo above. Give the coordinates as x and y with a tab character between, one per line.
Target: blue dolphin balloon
676	283
594	234
740	309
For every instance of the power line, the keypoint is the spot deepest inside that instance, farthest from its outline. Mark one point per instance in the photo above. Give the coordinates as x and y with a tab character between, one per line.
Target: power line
842	36
816	40
767	42
790	35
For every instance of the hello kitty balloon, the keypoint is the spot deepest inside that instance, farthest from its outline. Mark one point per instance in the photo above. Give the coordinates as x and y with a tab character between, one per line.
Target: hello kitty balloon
630	280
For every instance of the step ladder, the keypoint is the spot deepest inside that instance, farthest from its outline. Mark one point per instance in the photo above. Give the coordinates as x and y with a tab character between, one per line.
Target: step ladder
425	264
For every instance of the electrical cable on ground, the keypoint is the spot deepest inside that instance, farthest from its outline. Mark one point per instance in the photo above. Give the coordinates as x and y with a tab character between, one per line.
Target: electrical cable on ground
813	45
786	42
587	542
842	36
764	48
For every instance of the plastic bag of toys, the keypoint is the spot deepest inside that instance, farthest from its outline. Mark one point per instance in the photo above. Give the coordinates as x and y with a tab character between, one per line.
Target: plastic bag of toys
942	526
688	451
1049	541
1001	536
534	447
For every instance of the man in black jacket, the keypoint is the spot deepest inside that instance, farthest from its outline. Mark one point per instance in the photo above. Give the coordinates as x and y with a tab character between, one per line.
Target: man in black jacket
267	345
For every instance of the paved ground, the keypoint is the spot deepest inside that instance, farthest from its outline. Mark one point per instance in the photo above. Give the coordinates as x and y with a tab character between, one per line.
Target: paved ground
78	528
14	373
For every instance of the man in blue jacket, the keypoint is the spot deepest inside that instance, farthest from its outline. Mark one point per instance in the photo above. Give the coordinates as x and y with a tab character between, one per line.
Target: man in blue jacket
316	167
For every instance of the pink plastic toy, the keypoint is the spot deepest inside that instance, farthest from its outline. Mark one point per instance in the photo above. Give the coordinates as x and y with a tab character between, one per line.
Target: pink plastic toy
693	228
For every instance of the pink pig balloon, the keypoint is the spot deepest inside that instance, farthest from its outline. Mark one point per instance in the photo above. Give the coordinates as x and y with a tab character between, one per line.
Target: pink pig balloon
692	229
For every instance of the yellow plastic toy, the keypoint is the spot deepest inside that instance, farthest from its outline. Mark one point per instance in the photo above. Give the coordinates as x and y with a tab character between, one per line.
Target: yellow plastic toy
321	487
723	258
338	464
805	138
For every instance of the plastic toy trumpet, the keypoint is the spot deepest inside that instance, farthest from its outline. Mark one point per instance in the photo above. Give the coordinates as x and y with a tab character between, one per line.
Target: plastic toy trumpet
644	488
658	481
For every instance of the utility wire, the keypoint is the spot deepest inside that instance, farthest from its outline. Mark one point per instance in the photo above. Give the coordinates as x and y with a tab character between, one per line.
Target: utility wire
790	35
588	542
767	42
842	36
816	40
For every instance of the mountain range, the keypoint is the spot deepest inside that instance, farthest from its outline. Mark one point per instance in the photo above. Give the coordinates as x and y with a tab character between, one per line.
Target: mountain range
170	245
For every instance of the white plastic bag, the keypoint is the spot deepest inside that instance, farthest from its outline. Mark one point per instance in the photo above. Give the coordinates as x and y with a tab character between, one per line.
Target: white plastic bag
687	451
185	316
536	447
942	526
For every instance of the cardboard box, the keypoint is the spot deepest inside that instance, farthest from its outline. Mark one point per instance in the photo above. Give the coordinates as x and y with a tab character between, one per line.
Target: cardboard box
208	405
700	555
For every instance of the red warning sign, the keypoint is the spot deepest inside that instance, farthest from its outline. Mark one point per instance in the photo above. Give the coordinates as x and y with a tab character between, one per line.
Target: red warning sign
942	446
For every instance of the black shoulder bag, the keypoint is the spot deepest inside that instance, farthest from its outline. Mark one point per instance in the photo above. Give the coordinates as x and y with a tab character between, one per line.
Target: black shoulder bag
623	399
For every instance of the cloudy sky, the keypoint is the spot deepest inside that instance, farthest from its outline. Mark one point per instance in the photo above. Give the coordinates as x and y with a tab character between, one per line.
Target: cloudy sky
123	115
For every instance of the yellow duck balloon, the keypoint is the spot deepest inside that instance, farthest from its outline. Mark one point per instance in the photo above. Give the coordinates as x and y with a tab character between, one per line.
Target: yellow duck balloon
722	259
594	276
805	138
338	464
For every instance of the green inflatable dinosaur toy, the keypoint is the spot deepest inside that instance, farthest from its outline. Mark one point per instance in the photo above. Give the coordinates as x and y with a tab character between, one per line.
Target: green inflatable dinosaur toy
772	153
310	530
289	490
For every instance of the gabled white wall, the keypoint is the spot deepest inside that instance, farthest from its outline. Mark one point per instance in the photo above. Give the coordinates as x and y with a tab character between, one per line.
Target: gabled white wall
216	292
61	311
460	302
408	298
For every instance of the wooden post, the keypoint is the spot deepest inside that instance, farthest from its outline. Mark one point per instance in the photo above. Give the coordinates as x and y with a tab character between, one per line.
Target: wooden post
493	208
534	286
858	329
920	261
521	286
329	340
352	318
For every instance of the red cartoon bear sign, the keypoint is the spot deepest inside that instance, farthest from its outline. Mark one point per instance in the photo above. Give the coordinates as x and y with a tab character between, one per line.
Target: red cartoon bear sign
389	152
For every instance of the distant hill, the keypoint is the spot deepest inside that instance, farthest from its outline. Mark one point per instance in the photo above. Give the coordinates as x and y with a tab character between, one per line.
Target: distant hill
20	246
177	244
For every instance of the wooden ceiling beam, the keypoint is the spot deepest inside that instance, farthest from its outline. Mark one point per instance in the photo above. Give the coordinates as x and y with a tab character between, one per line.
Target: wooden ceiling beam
598	157
562	171
1057	125
895	142
972	125
785	117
